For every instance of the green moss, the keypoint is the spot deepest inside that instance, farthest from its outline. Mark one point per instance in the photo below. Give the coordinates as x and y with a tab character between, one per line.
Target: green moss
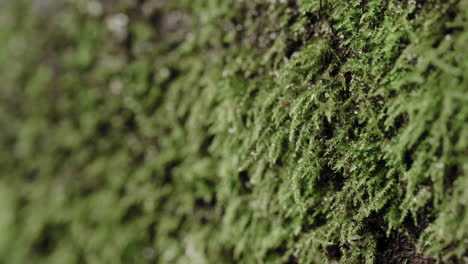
234	132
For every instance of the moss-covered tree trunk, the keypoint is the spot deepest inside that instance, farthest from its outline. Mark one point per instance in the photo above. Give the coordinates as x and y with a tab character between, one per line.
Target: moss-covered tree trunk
234	131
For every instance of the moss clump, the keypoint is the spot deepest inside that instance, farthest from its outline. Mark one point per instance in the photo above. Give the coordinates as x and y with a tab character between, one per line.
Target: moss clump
234	131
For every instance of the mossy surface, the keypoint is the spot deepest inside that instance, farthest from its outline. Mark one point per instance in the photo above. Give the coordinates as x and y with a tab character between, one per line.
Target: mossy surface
248	131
